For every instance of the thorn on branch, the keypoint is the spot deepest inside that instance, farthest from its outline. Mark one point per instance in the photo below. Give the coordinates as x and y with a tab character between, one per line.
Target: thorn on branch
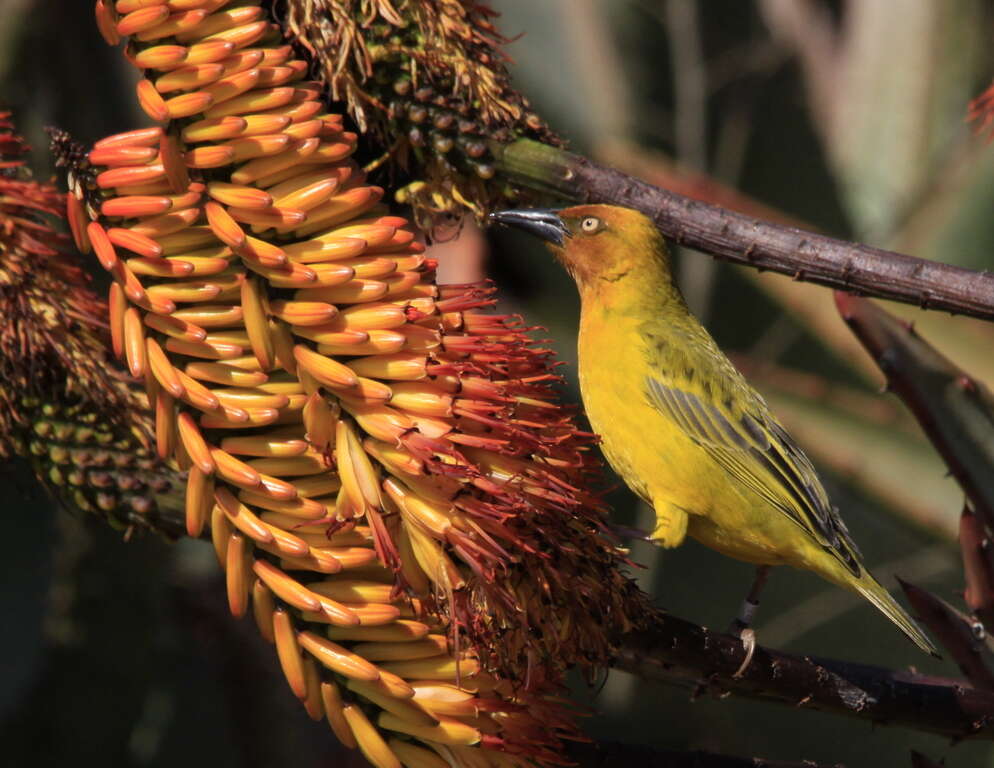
741	239
959	421
978	567
674	648
965	639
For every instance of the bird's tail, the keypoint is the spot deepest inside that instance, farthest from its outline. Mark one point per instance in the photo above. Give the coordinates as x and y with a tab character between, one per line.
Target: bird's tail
872	590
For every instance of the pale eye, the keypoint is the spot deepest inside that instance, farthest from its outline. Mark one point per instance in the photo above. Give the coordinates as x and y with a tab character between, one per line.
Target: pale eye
590	225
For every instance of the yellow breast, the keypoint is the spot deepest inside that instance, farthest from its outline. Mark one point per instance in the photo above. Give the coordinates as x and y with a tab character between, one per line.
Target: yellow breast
656	458
650	452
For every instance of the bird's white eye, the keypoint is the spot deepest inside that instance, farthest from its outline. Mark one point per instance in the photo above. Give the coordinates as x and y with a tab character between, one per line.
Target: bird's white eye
590	224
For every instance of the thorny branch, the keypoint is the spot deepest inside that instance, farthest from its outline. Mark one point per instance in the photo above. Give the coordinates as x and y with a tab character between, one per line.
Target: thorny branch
745	240
613	755
965	640
675	649
955	410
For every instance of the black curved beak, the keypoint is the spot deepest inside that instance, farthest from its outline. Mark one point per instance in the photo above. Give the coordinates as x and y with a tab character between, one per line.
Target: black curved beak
541	222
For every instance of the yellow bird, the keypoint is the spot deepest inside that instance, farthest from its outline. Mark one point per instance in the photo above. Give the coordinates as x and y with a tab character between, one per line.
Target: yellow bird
679	423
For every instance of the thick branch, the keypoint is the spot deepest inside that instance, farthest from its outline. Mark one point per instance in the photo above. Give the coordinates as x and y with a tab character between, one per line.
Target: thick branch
678	649
957	413
954	410
608	755
957	633
744	240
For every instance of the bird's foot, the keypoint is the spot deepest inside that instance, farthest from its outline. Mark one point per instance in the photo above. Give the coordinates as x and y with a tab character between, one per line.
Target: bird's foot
741	627
748	638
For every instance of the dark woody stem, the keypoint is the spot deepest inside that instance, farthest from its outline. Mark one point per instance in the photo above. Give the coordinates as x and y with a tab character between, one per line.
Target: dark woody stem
755	243
675	649
614	755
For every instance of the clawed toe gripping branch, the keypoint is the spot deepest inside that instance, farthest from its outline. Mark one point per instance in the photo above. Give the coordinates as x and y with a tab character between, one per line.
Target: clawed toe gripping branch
675	649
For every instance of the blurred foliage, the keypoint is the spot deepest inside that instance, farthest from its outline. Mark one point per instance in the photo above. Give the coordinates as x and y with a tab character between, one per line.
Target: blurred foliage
848	116
764	136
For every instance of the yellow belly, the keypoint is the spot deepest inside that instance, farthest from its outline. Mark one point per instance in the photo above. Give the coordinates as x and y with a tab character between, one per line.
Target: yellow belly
665	467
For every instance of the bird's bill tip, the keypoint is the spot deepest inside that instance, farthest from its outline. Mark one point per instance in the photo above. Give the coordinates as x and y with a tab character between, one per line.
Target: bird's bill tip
540	222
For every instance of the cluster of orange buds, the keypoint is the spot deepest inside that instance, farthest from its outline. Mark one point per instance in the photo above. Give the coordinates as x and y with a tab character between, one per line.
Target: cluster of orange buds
391	488
84	429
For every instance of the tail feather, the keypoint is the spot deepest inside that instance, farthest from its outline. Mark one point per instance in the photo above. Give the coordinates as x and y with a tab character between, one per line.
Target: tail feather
872	590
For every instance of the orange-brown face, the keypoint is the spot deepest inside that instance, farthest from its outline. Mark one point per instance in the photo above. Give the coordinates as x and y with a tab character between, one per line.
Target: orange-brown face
593	242
596	246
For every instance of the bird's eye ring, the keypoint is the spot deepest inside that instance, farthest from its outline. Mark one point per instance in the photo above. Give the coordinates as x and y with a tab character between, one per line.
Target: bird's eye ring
590	224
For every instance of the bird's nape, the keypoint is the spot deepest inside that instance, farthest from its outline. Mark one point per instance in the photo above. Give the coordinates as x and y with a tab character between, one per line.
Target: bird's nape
543	223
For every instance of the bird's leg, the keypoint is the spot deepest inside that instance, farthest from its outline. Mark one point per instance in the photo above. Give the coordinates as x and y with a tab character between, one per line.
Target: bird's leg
742	626
748	610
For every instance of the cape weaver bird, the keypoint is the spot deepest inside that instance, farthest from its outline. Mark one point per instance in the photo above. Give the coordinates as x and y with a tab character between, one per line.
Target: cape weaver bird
680	424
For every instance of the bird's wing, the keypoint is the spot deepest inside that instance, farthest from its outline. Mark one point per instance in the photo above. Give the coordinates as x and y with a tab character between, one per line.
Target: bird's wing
737	430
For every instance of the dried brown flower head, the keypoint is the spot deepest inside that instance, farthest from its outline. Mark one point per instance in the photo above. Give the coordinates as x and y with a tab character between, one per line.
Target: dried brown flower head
427	80
84	427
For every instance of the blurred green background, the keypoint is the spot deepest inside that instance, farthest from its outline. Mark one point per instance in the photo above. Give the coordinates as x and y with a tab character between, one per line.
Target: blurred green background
846	116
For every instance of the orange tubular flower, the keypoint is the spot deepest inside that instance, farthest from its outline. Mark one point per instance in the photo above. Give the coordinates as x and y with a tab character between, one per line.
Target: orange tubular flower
84	429
387	479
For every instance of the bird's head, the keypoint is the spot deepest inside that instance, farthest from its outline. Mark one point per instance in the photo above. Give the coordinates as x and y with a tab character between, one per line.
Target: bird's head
596	244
